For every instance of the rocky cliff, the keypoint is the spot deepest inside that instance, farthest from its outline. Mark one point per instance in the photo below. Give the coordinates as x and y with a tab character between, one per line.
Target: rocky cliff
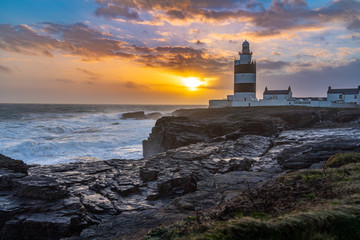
207	125
207	157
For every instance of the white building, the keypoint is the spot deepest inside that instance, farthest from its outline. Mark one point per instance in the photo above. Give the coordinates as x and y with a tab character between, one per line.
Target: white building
277	94
245	90
348	95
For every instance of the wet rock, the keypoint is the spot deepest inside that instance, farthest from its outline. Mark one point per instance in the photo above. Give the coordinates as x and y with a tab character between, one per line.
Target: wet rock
39	187
96	203
38	226
136	115
17	166
177	186
148	174
346	116
216	189
126	190
307	154
174	132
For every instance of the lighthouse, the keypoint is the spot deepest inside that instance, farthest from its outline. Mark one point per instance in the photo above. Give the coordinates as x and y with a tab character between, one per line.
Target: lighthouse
245	76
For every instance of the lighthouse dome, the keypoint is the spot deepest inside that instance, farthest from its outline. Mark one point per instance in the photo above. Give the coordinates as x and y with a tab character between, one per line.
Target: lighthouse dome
246	47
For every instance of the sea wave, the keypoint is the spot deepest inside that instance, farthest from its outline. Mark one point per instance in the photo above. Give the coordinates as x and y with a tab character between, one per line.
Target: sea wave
49	134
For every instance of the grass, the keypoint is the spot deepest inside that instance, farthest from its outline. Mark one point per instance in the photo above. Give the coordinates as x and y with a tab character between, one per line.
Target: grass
341	159
303	205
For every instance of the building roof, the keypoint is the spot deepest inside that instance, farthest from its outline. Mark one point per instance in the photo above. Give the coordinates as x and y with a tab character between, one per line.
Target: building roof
277	92
344	90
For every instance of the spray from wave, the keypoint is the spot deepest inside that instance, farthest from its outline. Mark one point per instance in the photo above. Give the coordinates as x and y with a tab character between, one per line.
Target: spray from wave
50	134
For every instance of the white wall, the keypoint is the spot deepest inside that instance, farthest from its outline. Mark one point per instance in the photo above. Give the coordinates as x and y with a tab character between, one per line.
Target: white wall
277	97
349	98
245	78
245	96
263	102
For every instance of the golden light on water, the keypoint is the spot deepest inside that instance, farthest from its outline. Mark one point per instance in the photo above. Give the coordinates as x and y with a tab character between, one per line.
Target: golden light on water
192	82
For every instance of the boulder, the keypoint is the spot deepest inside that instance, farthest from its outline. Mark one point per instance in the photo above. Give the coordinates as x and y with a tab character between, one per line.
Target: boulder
39	187
307	154
136	115
17	166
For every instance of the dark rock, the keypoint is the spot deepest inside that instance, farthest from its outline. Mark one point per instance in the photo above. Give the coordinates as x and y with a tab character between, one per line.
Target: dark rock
173	132
7	178
148	174
177	186
209	125
305	155
299	119
38	226
39	187
96	203
346	116
14	165
137	115
231	136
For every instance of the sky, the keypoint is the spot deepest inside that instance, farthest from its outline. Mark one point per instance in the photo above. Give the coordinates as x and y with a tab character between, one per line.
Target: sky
172	51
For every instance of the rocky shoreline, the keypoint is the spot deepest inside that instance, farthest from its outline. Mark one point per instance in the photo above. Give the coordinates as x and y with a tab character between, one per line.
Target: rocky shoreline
194	160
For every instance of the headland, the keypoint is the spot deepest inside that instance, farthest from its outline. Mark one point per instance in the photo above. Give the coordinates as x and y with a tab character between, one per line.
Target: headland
214	165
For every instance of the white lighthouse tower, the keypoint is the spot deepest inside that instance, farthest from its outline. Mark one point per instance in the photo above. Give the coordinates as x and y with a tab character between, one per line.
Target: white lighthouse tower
245	76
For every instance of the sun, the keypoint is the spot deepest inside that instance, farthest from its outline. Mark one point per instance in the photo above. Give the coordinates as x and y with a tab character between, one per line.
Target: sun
192	82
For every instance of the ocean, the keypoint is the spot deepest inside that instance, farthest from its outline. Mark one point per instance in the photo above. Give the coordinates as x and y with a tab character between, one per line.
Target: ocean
60	133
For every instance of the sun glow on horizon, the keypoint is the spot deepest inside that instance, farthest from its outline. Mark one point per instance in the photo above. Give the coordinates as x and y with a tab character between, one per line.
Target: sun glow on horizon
192	82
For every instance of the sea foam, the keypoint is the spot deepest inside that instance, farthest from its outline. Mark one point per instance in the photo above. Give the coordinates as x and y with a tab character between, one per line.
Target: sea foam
50	134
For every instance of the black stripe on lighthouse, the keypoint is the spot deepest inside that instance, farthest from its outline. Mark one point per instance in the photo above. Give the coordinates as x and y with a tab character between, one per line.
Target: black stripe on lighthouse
244	87
245	68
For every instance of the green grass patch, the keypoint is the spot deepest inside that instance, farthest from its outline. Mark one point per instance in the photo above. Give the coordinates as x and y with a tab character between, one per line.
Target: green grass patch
341	159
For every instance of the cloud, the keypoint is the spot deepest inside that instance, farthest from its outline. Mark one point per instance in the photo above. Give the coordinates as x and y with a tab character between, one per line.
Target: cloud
64	80
116	10
280	15
93	75
77	39
90	44
277	54
354	24
184	60
23	39
271	65
4	69
134	85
